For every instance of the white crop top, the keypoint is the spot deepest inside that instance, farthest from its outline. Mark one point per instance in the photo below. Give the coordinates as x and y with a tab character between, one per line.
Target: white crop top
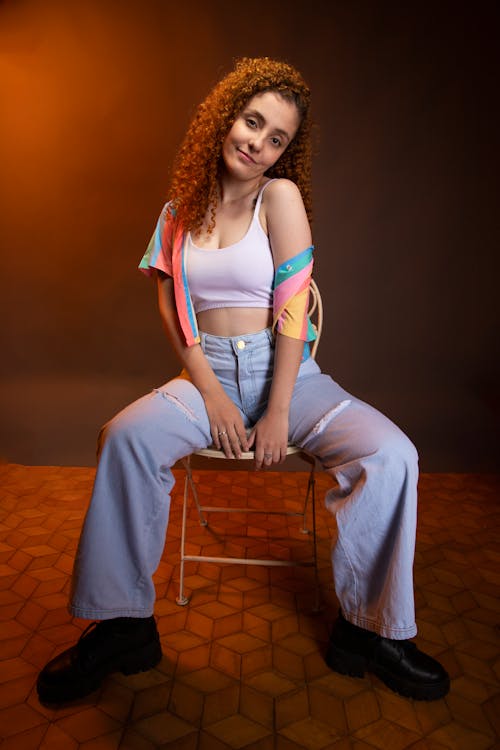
239	275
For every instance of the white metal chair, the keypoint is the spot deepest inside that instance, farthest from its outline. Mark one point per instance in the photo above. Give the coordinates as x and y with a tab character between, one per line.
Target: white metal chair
316	315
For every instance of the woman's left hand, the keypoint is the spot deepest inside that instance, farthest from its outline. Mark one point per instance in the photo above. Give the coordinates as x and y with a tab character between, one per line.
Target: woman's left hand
270	438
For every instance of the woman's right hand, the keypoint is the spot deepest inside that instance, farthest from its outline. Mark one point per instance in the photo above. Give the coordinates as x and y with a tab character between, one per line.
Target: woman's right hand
226	425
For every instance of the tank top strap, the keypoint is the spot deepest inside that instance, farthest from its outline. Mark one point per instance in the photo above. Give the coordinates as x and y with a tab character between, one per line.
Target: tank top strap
259	196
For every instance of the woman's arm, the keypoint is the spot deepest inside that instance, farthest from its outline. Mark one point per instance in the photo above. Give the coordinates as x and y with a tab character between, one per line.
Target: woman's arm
289	234
223	414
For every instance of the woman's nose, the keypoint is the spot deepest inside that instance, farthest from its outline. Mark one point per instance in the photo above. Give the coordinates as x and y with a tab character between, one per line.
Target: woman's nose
255	143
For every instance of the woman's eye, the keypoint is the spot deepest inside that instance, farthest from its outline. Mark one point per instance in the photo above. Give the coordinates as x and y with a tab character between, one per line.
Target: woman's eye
251	122
276	141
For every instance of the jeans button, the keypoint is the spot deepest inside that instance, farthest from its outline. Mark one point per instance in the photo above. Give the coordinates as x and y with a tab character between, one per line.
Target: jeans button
240	344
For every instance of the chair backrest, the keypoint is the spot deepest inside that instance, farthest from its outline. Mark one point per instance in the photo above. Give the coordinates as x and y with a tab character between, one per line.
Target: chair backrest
316	314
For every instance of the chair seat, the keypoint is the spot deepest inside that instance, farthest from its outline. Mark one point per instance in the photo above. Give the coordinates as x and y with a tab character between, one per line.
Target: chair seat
245	456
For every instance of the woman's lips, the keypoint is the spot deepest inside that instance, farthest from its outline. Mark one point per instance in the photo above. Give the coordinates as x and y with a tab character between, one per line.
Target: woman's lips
245	156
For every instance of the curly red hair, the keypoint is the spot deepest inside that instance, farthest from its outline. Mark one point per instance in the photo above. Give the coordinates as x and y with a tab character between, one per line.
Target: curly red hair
196	168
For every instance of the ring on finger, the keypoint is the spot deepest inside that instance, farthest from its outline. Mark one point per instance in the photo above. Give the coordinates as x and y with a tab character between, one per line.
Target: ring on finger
268	455
222	433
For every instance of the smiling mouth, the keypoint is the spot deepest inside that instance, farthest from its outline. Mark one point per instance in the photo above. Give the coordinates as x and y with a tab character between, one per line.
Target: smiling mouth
245	155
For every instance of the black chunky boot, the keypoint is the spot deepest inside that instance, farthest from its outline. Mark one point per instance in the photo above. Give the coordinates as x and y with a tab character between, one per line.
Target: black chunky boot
399	664
124	644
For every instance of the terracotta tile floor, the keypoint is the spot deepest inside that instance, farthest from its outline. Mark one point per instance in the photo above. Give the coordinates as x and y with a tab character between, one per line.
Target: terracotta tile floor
243	664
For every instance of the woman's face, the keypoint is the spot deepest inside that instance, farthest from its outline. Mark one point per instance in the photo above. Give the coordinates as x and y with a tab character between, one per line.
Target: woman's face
259	135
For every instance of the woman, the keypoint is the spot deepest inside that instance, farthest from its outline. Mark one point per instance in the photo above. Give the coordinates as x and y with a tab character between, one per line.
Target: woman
232	256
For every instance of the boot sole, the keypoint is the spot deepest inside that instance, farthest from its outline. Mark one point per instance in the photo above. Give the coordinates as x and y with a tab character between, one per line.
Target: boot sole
134	662
355	665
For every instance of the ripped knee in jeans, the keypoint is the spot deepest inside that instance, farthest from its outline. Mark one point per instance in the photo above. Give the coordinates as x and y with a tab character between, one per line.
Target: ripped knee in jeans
327	418
184	408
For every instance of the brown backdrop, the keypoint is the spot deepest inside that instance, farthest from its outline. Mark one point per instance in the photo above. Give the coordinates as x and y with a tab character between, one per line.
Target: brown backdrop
95	98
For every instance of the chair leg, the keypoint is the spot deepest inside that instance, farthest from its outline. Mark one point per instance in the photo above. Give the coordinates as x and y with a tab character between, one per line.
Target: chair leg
317	603
192	487
311	495
181	599
310	486
189	485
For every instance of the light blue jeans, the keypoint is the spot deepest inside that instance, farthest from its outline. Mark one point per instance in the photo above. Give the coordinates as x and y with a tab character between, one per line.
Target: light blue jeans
373	498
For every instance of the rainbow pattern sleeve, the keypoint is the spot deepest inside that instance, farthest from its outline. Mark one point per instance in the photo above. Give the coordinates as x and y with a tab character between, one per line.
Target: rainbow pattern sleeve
158	255
166	252
291	297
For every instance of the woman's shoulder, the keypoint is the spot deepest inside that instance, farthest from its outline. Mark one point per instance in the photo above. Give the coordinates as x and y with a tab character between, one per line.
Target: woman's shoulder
284	218
280	194
168	215
281	187
168	209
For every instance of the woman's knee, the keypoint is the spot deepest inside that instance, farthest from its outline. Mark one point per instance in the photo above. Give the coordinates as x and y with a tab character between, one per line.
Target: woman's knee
396	451
113	431
165	425
359	432
383	440
127	426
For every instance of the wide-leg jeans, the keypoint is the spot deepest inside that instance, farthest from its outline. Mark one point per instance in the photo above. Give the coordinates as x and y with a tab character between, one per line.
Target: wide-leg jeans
373	497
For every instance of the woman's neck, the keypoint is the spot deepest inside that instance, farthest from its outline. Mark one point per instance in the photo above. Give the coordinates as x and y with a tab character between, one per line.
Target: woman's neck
233	191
